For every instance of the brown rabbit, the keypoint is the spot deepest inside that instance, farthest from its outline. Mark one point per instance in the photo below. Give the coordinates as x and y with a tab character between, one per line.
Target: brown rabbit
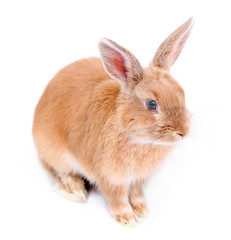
111	121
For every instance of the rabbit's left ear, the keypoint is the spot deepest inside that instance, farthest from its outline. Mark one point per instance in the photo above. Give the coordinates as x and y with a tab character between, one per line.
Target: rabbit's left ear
120	63
171	48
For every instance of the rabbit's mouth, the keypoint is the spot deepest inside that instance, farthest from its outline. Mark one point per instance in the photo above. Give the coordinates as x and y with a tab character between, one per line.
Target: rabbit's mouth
169	141
171	137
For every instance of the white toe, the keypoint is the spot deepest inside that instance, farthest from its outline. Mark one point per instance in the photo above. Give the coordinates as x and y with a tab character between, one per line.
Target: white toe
77	196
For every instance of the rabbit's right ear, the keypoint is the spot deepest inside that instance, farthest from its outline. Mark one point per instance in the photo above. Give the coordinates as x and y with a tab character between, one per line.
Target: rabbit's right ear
171	48
120	64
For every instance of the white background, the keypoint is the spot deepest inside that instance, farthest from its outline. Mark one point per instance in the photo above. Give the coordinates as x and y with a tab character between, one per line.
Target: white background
189	196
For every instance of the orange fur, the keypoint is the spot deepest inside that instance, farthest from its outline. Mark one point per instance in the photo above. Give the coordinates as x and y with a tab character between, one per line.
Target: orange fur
90	125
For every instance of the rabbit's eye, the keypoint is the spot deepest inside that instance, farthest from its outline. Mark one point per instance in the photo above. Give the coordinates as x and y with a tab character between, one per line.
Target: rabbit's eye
151	104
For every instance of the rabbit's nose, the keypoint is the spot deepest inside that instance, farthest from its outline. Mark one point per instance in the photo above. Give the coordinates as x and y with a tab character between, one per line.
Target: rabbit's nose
181	134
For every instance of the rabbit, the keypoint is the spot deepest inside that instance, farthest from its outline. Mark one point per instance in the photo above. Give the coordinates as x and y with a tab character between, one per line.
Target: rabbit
110	121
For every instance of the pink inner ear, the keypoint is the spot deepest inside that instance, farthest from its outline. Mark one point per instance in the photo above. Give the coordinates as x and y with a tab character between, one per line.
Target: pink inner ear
178	48
117	62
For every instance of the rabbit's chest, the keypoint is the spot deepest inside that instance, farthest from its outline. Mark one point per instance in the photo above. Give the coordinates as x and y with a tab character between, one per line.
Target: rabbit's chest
131	164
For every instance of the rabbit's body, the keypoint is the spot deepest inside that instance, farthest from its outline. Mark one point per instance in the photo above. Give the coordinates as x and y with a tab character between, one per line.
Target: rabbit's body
63	143
106	127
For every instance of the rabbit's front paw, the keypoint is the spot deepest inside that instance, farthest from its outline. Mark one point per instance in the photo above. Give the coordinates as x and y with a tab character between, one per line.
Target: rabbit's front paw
127	219
140	210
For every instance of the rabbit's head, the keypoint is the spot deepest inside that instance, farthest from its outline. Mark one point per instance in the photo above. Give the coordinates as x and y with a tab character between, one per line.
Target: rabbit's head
151	105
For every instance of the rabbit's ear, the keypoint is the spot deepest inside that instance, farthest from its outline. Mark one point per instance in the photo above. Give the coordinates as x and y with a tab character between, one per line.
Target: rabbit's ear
120	63
171	48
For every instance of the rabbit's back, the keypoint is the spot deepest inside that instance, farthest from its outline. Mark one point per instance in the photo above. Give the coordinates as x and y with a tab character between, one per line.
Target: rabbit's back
70	90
